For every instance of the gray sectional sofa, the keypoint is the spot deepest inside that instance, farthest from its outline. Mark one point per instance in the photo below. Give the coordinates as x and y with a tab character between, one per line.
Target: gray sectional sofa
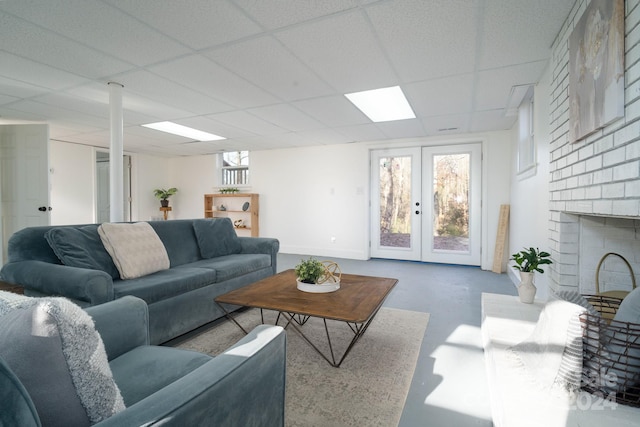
206	259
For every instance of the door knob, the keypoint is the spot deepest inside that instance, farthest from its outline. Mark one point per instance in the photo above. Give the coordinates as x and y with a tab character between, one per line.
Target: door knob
42	208
417	212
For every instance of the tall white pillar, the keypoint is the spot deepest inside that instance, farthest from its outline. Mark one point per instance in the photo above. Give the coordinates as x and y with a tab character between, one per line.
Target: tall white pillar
116	196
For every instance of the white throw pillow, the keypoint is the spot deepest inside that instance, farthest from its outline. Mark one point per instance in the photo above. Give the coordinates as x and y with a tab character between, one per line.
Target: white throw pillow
136	249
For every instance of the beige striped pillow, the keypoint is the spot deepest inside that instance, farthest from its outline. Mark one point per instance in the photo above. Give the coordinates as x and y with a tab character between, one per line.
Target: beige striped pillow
136	249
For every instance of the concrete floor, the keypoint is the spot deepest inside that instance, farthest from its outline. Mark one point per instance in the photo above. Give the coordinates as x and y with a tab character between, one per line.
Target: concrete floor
449	384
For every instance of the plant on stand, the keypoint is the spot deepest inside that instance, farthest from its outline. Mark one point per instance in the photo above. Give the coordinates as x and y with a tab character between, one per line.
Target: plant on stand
164	195
528	261
309	271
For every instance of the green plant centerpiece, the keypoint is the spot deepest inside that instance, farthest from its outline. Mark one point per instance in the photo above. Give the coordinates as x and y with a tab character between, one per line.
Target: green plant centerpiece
528	261
164	195
317	276
309	270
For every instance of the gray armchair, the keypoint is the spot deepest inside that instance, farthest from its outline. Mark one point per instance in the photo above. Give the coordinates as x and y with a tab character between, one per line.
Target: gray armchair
166	386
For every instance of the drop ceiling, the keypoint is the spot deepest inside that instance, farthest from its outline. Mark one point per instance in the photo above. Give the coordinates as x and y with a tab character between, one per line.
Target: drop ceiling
267	74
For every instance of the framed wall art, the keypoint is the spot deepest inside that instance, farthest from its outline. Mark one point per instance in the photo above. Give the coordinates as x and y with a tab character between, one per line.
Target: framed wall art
596	68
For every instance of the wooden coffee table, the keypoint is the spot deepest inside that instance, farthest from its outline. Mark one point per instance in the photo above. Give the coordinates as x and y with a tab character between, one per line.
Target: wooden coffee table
355	303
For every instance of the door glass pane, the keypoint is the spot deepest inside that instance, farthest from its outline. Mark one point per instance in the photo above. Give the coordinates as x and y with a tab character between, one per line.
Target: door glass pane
395	202
451	202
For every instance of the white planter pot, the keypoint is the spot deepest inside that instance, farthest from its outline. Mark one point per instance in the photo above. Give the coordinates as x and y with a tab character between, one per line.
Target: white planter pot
526	289
318	289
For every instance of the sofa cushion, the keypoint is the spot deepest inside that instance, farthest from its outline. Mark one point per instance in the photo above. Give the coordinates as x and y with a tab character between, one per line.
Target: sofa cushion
81	247
51	345
231	266
179	239
216	237
144	370
165	284
136	249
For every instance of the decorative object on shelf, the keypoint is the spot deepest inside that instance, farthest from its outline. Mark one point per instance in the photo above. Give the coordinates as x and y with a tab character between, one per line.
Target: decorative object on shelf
229	190
222	208
164	195
318	276
235	206
529	261
239	223
245	206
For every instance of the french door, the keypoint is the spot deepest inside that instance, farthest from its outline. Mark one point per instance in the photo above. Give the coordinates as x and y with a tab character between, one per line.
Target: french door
426	204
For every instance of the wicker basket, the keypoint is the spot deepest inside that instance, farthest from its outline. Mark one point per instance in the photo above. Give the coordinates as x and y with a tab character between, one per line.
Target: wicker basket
611	354
614	293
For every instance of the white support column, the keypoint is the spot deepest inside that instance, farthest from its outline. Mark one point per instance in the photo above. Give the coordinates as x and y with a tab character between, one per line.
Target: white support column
116	195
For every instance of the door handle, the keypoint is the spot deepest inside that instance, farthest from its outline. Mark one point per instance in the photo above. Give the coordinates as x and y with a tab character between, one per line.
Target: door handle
42	208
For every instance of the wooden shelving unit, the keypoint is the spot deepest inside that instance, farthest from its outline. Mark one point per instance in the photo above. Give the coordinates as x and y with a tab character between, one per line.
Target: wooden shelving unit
233	208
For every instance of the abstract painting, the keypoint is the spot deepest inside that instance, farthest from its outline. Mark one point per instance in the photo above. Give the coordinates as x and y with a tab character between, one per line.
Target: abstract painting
596	68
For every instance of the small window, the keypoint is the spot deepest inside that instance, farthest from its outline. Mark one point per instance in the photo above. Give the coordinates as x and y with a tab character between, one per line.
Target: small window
235	168
526	141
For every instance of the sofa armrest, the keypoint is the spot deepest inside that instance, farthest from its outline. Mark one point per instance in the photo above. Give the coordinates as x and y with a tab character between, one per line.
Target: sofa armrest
123	324
81	285
243	386
262	245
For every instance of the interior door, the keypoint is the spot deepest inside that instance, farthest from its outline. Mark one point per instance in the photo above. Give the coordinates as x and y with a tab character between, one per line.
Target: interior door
396	204
24	168
452	219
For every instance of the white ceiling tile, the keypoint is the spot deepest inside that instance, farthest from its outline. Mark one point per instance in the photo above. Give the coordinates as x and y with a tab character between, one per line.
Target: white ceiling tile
286	117
343	51
41	45
33	76
484	121
196	23
520	31
410	128
323	136
203	75
333	111
494	86
101	26
249	122
360	133
170	93
448	95
267	64
208	124
280	13
447	124
427	39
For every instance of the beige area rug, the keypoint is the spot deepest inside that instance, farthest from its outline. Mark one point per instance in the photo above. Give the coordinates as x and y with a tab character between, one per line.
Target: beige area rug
368	389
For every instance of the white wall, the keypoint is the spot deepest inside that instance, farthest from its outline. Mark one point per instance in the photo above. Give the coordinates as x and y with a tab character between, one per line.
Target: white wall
193	176
72	182
529	219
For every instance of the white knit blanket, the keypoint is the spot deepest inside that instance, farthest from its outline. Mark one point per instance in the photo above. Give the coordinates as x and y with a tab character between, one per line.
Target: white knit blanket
551	357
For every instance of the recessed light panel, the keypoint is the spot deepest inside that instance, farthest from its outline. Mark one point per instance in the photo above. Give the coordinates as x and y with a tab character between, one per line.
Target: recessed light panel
383	105
185	131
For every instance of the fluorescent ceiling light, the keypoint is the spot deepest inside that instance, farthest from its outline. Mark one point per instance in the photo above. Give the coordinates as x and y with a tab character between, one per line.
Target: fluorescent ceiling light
185	131
383	105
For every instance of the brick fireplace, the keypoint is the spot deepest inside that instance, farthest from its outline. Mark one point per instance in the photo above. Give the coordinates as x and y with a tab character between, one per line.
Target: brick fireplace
595	182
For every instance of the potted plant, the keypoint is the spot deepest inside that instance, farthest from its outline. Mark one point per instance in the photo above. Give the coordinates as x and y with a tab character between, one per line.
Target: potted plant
164	195
318	276
309	271
528	261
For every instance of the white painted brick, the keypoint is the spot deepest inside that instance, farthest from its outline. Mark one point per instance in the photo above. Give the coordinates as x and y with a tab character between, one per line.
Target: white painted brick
602	207
585	180
613	190
632	151
594	163
603	176
605	143
614	157
593	192
581	206
626	207
628	133
572	182
626	171
579	168
632	189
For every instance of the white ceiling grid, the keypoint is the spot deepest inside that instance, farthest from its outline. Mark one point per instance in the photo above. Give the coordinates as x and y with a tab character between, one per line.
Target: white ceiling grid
267	73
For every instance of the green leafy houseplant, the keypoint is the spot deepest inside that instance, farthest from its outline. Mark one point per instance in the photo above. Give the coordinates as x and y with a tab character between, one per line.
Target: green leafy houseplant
163	195
309	270
529	260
